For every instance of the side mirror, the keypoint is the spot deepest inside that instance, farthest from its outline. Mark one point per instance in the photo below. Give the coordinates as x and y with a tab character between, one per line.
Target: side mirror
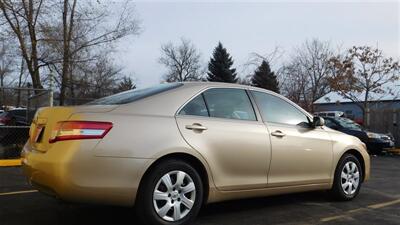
318	121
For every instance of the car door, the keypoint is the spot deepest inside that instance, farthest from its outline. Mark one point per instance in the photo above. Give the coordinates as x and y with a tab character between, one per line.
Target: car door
221	124
301	154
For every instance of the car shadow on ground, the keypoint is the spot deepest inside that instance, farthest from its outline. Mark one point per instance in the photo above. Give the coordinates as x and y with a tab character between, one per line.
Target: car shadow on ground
46	210
302	208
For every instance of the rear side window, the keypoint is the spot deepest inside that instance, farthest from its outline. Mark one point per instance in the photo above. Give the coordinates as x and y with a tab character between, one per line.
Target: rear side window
134	95
229	103
196	107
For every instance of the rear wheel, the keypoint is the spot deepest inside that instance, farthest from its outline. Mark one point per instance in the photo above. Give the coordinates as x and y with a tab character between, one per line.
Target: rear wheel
348	178
172	193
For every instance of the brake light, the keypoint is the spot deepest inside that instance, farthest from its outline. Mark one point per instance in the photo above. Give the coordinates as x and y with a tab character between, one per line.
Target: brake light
74	130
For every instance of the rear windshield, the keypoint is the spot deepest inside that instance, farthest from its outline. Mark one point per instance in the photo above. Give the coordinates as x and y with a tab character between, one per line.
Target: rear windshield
133	95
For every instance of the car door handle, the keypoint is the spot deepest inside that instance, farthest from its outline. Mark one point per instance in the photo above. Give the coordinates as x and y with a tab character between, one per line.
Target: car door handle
278	133
196	126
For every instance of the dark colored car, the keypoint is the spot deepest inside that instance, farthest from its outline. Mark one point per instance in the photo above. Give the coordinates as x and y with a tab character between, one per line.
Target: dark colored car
375	142
16	117
14	131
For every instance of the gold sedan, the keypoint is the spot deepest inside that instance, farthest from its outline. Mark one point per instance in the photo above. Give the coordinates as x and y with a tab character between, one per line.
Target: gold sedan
171	148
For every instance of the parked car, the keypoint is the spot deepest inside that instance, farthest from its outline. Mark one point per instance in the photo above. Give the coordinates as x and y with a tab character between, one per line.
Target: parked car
170	148
16	117
375	142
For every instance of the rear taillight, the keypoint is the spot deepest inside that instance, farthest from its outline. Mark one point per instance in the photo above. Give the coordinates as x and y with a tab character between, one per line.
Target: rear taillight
74	130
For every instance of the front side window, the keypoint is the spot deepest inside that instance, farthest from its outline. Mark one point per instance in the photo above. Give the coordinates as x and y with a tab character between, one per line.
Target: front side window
229	103
276	110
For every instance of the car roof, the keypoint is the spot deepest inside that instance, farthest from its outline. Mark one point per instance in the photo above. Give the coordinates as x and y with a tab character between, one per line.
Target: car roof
162	104
206	84
202	85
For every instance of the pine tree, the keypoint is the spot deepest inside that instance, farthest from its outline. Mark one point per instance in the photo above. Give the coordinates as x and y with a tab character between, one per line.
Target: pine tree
264	78
125	84
219	67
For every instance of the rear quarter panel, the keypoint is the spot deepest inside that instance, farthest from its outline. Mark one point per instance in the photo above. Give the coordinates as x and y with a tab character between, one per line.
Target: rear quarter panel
140	137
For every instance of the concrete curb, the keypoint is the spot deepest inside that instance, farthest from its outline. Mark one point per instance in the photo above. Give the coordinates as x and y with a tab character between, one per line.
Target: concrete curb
10	162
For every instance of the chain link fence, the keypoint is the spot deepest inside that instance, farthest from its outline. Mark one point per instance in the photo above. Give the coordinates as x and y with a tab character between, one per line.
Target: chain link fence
17	109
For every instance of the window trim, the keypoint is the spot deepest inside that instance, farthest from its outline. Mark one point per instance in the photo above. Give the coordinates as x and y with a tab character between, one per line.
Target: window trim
201	92
190	100
301	110
205	103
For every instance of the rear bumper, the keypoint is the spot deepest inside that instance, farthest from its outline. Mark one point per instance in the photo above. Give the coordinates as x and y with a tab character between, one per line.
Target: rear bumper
71	171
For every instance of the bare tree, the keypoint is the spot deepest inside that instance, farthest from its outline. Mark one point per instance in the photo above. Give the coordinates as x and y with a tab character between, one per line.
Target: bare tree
293	83
309	66
6	61
95	80
182	61
21	81
86	27
7	66
361	72
245	80
255	59
22	19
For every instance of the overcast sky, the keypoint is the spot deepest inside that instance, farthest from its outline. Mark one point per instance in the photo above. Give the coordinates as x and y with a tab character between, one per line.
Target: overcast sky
254	27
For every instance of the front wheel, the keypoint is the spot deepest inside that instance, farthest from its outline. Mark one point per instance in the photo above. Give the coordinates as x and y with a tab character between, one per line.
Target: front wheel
172	194
348	178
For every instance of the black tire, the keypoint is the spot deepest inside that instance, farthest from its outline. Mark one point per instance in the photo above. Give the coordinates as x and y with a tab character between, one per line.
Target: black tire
337	190
144	203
